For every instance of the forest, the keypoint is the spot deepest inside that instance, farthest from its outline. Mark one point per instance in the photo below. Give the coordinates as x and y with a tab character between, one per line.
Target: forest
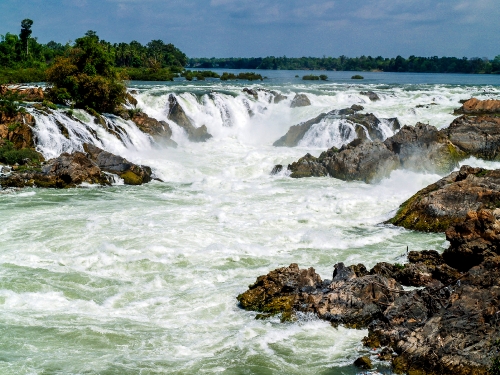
24	59
364	63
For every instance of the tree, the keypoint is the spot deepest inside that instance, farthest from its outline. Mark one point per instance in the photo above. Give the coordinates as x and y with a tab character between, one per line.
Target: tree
86	77
26	33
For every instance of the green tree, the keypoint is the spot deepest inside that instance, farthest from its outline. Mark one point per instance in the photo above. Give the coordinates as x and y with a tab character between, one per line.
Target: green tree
25	34
86	77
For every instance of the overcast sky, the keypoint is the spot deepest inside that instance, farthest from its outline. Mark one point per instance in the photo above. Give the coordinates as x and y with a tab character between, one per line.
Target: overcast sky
254	28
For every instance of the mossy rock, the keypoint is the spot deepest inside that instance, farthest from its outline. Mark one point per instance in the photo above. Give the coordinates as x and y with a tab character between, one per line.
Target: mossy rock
130	178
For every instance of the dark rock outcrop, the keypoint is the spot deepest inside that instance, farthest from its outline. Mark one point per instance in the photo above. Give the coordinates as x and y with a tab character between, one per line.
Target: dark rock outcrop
131	174
371	95
476	136
451	326
251	92
300	100
177	115
297	132
447	202
67	170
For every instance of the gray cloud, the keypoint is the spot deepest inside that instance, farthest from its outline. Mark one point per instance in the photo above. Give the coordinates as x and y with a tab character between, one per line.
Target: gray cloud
278	27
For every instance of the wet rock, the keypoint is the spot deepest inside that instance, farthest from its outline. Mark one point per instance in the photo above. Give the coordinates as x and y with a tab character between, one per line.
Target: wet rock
448	201
160	130
278	97
300	100
477	136
307	166
473	240
130	99
277	169
371	95
422	148
131	173
297	132
363	363
357	108
251	92
31	94
177	115
342	273
67	170
475	106
361	160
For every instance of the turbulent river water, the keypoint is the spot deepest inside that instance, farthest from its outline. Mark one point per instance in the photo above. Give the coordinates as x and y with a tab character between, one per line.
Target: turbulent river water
144	279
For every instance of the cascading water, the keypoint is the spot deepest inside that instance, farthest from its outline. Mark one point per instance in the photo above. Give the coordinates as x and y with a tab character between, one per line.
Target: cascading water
143	279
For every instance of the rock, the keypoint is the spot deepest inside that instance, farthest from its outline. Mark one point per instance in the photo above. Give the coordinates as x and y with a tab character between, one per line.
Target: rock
448	201
17	129
131	174
357	108
363	363
278	97
297	132
361	160
477	136
473	240
177	115
67	170
160	130
422	148
445	330
367	126
385	354
251	92
307	166
130	99
300	100
32	94
475	106
342	273
277	169
371	95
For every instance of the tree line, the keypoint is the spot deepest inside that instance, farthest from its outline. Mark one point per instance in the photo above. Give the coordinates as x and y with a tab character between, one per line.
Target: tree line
24	59
364	63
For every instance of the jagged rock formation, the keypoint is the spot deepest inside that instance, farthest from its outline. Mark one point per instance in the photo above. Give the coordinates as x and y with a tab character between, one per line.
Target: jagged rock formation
421	148
67	170
160	130
17	129
449	327
131	173
475	106
32	94
447	202
366	126
371	95
177	115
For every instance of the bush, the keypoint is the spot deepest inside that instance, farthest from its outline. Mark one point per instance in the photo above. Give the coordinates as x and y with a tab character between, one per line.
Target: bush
9	103
310	77
323	77
250	76
86	77
9	155
357	76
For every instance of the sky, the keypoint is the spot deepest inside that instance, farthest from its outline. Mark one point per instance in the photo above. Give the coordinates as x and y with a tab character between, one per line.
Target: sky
258	28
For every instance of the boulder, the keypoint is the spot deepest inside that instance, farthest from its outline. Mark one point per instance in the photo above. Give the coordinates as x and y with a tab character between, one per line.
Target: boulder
371	95
300	100
478	136
65	171
177	115
475	106
131	174
422	148
31	94
251	92
159	130
363	363
448	201
473	240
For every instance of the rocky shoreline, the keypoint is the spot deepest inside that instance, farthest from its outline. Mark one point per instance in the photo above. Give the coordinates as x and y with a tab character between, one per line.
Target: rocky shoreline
450	325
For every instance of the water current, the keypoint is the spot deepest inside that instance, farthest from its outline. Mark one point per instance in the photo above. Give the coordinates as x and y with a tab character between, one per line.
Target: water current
144	279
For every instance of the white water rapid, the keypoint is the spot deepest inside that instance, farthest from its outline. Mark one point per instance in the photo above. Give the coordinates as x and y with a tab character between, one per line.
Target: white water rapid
144	279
